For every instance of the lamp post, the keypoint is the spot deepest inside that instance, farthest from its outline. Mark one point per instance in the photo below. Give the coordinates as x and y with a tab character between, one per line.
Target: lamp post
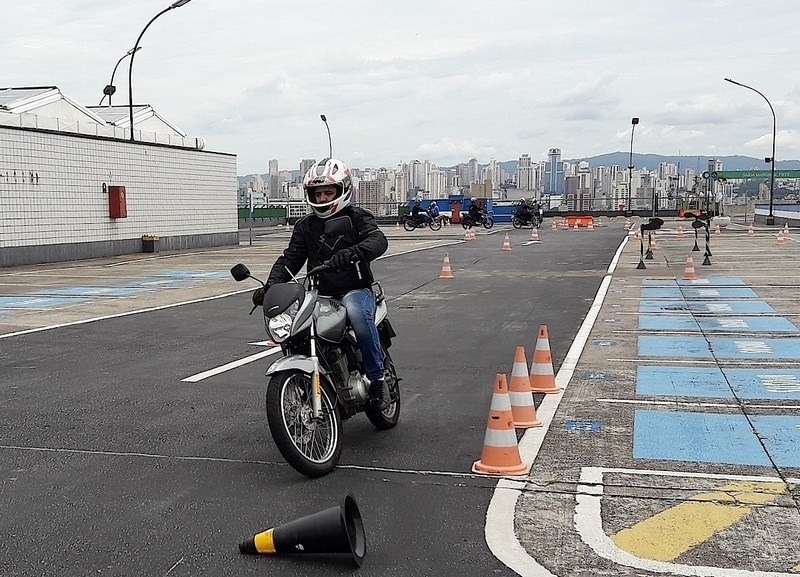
176	4
771	160
628	212
110	89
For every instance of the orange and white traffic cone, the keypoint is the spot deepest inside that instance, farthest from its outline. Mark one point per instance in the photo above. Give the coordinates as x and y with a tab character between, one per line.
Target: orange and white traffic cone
500	454
535	234
680	231
542	378
637	235
780	241
554	226
590	226
506	243
750	231
627	225
467	235
446	271
785	229
717	231
688	271
397	225
523	408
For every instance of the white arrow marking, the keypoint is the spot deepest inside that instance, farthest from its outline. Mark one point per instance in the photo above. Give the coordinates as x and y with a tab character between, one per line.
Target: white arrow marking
234	364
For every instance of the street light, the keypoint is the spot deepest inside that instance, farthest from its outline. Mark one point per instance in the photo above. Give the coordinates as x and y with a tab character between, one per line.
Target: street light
177	4
628	212
110	89
771	160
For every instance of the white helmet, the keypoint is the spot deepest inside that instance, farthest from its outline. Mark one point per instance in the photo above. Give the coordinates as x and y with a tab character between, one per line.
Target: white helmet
328	172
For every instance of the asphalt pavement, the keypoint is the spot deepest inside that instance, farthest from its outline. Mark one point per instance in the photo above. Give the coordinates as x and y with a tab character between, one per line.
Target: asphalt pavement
672	446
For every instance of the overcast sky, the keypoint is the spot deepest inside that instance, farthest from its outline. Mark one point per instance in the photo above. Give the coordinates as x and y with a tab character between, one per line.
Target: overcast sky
434	80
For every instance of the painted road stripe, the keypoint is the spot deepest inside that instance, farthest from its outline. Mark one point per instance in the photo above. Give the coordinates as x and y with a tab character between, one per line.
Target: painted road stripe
765	383
98	291
34	302
588	521
718	324
714	281
696	292
719	347
718	307
669	534
717	438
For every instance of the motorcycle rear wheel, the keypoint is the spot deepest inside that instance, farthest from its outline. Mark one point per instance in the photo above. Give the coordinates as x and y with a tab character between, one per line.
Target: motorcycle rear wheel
435	225
387	419
311	446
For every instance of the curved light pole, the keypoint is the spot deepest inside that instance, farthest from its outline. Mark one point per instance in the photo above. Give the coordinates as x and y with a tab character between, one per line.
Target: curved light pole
771	160
110	89
628	211
177	4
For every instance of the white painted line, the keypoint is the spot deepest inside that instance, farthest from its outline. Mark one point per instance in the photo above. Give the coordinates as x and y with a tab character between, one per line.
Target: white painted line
589	524
732	405
231	365
125	314
501	537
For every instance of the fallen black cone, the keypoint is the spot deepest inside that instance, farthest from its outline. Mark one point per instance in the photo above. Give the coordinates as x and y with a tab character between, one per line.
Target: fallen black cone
335	530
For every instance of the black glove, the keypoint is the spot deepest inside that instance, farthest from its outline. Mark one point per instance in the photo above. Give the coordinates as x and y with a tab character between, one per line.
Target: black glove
258	296
343	258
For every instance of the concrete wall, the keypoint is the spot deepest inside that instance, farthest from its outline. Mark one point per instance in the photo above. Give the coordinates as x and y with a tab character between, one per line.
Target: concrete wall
54	201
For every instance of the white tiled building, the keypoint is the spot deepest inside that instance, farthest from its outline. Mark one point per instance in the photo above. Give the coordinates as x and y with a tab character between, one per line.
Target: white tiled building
59	159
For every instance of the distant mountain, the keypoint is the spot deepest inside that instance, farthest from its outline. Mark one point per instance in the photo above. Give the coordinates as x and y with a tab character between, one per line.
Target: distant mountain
697	163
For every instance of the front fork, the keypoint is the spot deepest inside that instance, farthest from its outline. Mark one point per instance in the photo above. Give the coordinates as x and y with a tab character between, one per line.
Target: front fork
316	398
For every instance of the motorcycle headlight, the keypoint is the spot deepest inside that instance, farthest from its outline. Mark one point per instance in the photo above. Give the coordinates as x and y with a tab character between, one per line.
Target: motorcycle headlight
279	327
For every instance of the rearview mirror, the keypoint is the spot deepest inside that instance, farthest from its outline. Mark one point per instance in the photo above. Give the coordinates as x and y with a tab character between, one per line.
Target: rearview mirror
240	272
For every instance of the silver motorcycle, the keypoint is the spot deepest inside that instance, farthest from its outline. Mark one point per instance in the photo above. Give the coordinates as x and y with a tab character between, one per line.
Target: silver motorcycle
319	382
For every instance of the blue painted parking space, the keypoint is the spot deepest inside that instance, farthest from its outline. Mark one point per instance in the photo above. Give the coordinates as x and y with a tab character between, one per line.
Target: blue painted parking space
717	438
701	307
97	291
711	324
715	382
719	347
36	302
697	292
718	281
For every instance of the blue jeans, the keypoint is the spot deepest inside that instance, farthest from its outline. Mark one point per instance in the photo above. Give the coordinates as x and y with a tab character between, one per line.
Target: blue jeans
360	306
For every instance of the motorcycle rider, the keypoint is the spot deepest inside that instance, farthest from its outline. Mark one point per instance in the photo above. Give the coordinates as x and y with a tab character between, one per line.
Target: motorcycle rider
415	211
328	191
475	212
524	210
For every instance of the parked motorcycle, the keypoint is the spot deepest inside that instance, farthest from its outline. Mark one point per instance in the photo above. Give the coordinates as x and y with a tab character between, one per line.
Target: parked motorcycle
430	218
528	218
319	382
468	222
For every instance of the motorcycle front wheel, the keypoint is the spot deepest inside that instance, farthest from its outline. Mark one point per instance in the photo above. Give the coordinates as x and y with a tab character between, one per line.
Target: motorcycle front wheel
488	222
516	222
311	446
387	419
435	224
409	224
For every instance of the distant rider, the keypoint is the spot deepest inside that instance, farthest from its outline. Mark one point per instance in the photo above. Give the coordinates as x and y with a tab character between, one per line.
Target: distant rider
329	190
415	212
475	212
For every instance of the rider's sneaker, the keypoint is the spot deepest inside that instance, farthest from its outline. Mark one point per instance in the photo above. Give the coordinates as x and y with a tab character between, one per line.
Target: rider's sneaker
379	397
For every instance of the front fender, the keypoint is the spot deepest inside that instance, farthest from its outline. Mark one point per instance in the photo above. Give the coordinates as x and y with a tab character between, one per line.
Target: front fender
300	363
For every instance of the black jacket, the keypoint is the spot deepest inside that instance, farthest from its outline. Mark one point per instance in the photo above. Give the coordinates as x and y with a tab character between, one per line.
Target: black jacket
309	244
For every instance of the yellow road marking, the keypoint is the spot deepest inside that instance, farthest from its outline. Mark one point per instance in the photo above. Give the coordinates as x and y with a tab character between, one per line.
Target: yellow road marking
670	533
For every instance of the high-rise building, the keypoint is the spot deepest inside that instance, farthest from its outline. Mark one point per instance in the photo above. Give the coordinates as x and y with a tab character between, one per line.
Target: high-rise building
526	175
554	173
275	184
305	166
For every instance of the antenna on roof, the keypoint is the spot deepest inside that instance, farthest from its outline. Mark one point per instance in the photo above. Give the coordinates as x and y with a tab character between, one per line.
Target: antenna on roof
330	145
